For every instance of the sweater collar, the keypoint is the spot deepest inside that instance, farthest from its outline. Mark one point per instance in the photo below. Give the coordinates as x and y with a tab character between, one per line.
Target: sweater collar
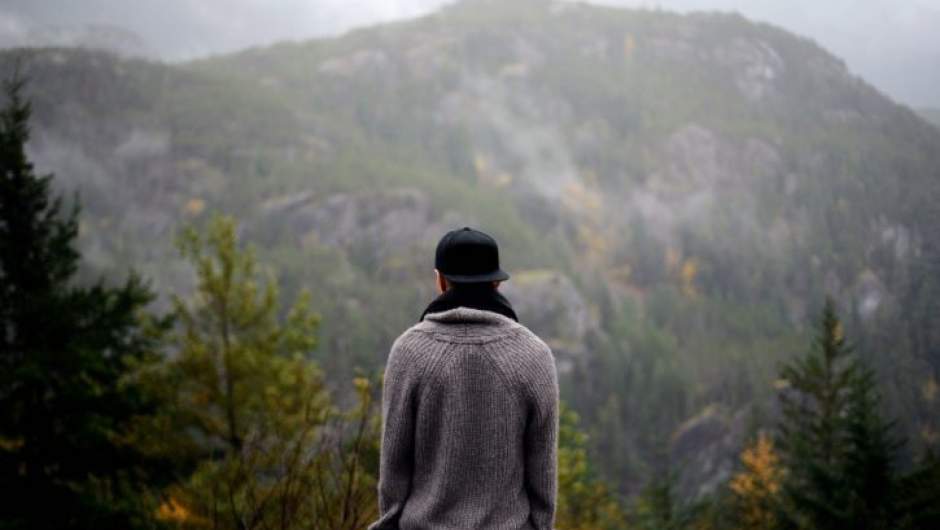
467	321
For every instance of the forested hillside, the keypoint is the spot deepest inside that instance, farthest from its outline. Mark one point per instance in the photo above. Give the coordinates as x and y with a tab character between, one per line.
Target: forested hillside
674	197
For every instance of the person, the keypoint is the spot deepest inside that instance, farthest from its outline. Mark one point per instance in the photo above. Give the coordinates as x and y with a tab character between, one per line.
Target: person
469	407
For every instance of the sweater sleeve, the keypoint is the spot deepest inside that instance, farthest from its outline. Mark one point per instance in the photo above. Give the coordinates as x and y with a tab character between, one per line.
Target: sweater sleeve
396	459
541	445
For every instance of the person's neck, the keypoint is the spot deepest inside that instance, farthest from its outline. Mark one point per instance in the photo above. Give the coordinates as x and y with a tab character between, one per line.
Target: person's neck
483	296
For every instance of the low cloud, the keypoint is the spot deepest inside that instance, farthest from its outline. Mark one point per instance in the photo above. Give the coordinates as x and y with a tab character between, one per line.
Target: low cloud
892	44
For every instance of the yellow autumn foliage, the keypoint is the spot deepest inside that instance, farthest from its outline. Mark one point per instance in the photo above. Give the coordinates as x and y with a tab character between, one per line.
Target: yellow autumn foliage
929	436
195	206
930	389
672	258
175	512
10	444
687	276
756	487
584	501
629	46
490	176
595	243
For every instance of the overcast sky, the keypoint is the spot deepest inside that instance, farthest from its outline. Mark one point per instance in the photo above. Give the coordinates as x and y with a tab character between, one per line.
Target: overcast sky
895	44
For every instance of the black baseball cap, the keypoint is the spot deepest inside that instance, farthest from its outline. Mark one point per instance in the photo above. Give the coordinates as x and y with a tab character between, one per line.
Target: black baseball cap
468	256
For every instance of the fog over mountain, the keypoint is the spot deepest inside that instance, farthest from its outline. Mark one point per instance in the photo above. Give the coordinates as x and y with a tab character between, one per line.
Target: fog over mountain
892	44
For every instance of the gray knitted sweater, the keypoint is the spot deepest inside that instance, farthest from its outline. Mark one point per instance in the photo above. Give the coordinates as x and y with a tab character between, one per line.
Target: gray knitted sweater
469	427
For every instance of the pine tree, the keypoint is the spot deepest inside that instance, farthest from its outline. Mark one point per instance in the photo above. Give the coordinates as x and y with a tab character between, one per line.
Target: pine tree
868	472
811	435
656	507
235	356
584	501
659	507
251	412
837	448
66	353
918	495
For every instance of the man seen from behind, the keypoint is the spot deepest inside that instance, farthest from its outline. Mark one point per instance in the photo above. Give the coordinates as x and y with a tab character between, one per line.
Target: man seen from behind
469	407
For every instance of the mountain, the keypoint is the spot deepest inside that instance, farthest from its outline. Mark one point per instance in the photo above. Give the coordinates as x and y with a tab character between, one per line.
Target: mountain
674	196
931	115
14	33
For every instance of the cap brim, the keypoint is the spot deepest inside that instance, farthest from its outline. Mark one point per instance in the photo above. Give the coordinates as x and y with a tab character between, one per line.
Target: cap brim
495	276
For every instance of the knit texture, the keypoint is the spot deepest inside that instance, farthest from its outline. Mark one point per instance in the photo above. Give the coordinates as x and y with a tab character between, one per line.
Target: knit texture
469	427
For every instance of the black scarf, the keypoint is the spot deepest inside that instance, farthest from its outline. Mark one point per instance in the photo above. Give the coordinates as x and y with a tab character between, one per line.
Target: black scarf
481	296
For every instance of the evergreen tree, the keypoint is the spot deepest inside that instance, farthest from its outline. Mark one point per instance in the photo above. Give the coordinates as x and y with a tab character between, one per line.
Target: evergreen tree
919	496
66	352
837	448
811	435
659	507
584	501
250	412
656	507
869	477
238	366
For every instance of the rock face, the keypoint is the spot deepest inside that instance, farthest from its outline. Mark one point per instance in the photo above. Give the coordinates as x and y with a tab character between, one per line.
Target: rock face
551	306
390	232
755	66
703	173
705	450
383	220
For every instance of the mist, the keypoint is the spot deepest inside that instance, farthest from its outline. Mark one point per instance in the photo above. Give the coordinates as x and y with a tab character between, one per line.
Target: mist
893	45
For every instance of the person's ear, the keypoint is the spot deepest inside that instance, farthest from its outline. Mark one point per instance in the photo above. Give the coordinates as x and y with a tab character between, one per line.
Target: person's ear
440	281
